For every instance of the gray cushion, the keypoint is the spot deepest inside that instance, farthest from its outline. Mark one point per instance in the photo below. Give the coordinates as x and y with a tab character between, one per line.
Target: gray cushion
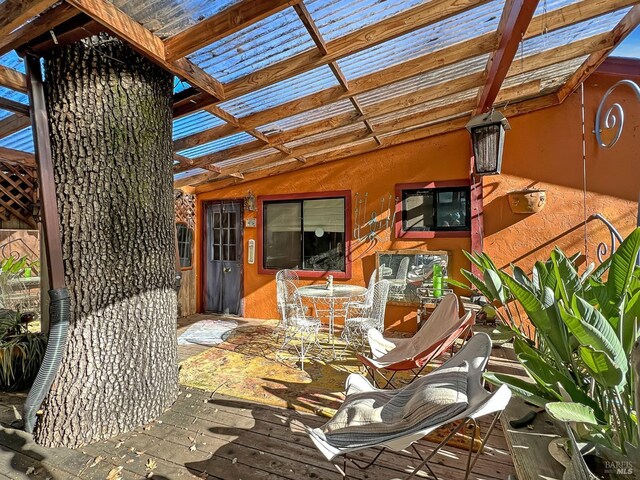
370	418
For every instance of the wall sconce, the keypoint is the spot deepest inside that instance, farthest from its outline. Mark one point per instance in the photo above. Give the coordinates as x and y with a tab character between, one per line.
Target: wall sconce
487	136
250	203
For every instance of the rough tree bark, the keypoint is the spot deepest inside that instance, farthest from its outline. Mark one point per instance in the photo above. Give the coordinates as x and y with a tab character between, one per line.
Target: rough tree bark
110	119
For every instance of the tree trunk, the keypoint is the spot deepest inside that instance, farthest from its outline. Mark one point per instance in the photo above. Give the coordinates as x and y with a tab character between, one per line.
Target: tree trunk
110	119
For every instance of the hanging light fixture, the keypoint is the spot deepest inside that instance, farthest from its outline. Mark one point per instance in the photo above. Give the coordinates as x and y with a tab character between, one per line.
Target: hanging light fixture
487	136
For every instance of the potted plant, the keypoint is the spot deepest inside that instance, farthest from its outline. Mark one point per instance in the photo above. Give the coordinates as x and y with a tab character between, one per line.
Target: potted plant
579	355
527	201
21	351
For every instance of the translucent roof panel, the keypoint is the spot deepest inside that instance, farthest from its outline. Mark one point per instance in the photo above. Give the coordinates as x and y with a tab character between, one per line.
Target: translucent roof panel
572	33
189	173
217	145
4	114
194	123
425	80
467	25
304	118
337	18
12	60
264	43
179	85
549	5
14	95
166	18
247	157
291	89
328	135
551	77
21	140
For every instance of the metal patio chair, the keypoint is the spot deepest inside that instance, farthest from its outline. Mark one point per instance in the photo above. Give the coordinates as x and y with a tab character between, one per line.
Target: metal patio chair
359	318
399	284
282	299
471	404
367	300
298	325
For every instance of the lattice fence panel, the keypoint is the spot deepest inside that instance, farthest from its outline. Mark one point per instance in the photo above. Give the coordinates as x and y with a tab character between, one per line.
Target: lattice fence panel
185	208
18	192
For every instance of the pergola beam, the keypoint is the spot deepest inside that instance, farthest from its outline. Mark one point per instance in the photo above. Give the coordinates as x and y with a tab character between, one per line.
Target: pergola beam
36	27
14	13
17	156
13	79
15	107
628	23
225	23
516	16
145	42
13	124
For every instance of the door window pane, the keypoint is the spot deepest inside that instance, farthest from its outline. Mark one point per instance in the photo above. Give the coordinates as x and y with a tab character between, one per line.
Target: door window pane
185	241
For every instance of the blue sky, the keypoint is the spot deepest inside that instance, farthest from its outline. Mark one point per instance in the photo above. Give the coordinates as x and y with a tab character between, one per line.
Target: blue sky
630	47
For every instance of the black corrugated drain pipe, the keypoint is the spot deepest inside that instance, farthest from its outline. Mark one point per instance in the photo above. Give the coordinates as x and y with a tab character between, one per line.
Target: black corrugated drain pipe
58	325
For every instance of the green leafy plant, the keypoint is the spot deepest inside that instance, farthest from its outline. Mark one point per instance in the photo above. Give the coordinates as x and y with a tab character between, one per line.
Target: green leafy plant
584	329
21	351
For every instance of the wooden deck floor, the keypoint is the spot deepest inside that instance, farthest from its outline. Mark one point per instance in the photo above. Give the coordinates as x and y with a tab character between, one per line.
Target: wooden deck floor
210	436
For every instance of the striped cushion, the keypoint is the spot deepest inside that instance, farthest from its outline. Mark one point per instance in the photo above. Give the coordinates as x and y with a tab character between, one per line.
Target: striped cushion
369	418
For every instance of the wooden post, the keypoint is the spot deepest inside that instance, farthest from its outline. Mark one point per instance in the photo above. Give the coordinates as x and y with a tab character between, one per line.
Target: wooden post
48	202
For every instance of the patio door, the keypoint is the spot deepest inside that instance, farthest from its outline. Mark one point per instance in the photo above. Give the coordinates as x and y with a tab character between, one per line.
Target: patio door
223	257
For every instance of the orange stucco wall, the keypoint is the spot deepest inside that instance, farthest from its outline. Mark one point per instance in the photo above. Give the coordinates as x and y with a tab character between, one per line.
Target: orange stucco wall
543	149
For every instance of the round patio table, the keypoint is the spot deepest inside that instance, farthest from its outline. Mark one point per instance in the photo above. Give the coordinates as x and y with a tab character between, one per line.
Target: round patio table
329	299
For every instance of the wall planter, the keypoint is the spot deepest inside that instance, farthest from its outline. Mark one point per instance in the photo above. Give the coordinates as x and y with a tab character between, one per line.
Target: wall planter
527	201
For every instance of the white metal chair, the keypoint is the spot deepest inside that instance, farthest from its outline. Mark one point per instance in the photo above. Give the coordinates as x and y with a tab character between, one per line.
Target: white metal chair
297	324
360	318
480	402
283	302
367	299
399	285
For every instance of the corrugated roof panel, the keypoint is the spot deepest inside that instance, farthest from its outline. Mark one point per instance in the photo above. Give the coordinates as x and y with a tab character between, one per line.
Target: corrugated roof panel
337	18
194	123
179	85
12	60
467	25
550	5
572	33
342	147
14	95
21	140
291	89
166	18
428	79
4	114
247	157
328	135
304	118
551	77
426	124
217	145
190	173
264	43
427	106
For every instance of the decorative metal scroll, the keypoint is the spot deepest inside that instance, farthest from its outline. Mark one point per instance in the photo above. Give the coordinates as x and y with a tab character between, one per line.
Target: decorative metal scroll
613	120
185	208
603	250
369	226
614	116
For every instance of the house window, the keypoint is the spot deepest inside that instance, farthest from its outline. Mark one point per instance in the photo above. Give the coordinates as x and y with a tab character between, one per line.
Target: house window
185	243
435	209
306	234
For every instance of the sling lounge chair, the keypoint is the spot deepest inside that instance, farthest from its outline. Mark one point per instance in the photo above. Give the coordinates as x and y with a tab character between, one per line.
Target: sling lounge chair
395	419
436	336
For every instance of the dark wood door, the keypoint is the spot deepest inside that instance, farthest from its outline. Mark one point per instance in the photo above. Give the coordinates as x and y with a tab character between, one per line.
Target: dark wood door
223	257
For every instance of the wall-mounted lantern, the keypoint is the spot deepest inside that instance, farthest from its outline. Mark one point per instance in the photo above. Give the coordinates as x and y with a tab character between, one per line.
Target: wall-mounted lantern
250	203
487	136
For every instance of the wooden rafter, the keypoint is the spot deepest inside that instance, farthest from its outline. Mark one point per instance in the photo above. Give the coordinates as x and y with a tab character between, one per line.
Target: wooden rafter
38	26
17	156
628	23
513	24
145	42
13	14
12	79
229	21
13	124
13	106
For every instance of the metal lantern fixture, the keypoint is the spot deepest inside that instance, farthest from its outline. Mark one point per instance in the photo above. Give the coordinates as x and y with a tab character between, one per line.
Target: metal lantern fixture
250	202
487	136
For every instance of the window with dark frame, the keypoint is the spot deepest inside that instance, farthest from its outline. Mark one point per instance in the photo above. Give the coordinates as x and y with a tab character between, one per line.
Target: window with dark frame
438	209
185	244
305	234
